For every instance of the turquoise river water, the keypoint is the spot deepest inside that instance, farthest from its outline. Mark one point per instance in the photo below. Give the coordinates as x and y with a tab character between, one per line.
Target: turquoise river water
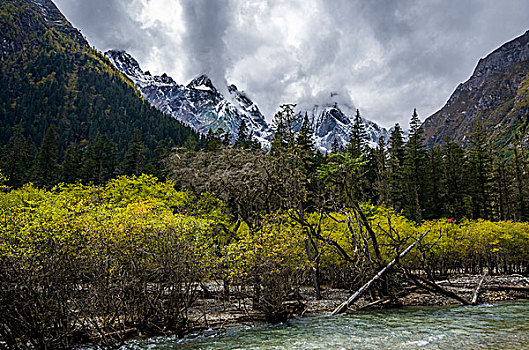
488	326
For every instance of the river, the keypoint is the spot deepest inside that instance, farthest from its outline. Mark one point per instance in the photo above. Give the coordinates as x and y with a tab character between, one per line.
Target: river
487	326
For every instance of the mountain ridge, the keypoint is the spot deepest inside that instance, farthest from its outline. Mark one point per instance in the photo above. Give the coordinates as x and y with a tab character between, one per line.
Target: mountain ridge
495	96
198	104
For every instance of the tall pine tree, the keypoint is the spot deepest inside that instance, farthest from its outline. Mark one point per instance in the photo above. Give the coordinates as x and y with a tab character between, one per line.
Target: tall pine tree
479	174
134	162
18	158
357	140
454	162
395	168
100	160
46	171
414	160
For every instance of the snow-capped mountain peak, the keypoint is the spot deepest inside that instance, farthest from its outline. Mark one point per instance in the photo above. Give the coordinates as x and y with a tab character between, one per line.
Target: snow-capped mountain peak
198	104
202	82
202	106
131	68
329	122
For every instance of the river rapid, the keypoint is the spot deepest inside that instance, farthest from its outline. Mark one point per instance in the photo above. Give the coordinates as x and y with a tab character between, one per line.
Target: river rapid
487	326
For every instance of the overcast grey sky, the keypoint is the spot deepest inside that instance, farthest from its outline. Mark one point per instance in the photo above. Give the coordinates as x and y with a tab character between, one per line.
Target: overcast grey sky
385	57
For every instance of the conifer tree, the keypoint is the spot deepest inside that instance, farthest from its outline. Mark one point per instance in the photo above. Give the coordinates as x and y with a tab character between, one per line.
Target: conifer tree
382	173
434	185
100	160
479	174
454	162
242	136
502	188
306	158
18	158
395	168
414	160
521	190
369	175
284	135
357	141
135	157
72	167
303	139
213	141
335	148
46	170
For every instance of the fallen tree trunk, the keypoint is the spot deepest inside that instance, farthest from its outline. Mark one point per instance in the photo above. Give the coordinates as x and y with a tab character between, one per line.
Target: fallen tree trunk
343	306
386	300
478	290
508	287
433	287
375	303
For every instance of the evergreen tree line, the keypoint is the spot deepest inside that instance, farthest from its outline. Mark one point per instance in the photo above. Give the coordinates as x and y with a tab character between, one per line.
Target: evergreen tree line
448	181
92	162
402	173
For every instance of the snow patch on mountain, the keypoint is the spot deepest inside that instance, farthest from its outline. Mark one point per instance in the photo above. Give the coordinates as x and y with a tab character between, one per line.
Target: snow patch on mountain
329	122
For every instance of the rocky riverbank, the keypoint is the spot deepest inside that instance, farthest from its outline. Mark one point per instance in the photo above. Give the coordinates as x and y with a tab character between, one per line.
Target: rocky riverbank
214	314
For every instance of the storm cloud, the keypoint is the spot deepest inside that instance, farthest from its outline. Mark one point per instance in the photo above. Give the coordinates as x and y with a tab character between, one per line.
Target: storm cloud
385	57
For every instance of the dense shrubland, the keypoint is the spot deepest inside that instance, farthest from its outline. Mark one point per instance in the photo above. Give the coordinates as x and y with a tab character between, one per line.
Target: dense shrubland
85	263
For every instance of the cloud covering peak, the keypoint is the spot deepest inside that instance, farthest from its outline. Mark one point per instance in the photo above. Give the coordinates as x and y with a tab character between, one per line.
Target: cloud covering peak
385	57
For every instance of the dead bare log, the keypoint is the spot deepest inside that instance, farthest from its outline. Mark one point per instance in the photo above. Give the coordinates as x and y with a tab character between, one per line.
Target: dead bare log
434	287
343	306
478	290
375	303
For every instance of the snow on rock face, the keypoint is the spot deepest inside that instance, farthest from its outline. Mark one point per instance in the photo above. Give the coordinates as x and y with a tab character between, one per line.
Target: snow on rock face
329	122
200	105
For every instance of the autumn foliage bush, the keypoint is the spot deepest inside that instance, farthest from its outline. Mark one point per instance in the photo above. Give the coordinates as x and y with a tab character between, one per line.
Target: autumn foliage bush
82	263
79	263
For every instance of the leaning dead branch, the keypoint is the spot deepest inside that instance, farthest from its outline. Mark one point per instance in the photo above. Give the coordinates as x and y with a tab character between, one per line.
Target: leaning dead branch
343	307
434	287
475	296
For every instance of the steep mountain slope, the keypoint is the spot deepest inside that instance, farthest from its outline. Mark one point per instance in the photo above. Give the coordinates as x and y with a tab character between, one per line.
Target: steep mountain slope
496	96
51	75
199	104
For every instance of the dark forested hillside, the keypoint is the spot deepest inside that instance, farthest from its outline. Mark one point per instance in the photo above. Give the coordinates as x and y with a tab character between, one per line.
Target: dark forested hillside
52	81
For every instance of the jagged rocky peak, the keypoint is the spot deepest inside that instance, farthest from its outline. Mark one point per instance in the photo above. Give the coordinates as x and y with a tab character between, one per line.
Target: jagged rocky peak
198	104
515	51
202	106
334	121
131	68
232	88
202	82
510	53
124	62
